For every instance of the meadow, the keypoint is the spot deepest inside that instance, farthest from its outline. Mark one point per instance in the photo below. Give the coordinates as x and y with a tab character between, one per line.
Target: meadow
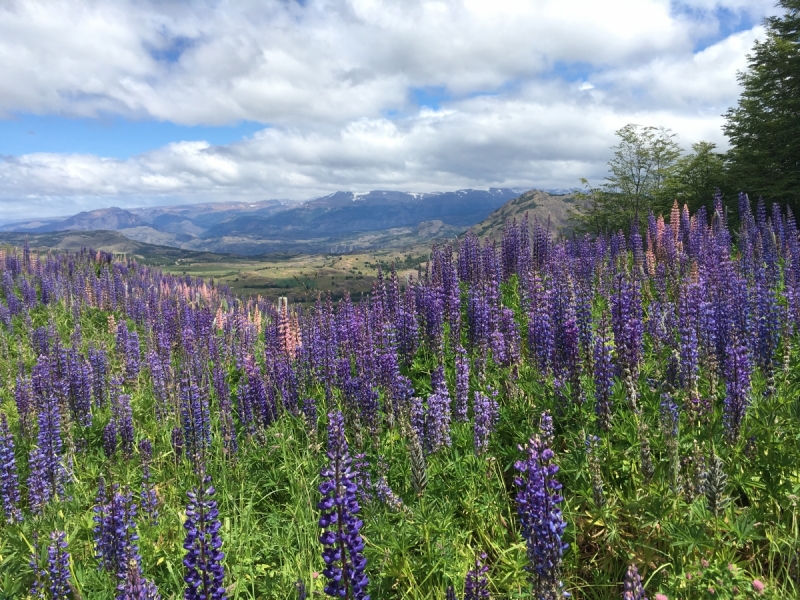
301	277
597	417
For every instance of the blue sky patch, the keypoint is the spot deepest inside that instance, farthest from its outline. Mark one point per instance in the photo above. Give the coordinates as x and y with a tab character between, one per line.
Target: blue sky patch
112	137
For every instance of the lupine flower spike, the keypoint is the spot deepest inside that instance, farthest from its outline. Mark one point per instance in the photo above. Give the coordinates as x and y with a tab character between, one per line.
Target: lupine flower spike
344	562
541	520
58	567
476	586
633	589
205	574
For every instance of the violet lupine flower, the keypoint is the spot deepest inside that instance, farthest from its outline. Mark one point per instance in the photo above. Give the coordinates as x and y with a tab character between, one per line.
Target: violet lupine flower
341	537
205	574
39	575
737	384
195	418
437	417
48	475
149	499
9	483
99	362
450	594
158	372
23	398
603	376
486	412
135	586
132	355
690	300
383	491
309	410
462	385
110	439
123	419
223	393
115	534
121	337
541	520
633	589
541	339
476	586
58	566
626	322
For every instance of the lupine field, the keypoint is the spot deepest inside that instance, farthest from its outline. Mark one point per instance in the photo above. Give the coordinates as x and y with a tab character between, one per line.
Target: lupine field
596	418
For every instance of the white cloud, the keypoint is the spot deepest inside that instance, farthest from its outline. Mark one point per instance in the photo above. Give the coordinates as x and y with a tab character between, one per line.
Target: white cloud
536	90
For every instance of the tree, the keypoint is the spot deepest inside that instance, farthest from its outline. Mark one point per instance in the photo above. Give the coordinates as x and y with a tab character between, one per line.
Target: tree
764	129
643	162
696	177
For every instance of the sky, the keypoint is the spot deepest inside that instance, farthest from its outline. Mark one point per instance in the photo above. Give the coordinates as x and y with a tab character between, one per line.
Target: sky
141	103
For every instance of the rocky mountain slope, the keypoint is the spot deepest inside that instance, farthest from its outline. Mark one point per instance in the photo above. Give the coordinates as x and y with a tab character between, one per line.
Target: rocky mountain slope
538	204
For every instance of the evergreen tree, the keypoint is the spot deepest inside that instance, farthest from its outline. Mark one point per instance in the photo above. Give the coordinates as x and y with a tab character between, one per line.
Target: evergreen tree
764	129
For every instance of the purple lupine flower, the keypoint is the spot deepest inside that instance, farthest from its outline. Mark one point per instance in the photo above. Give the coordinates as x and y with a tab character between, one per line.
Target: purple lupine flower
689	307
626	322
149	499
39	574
9	483
135	587
541	340
341	537
195	417
223	394
48	475
540	518
79	388
122	338
110	439
99	362
123	419
58	567
462	385
23	398
437	417
205	574
737	385
302	594
450	594
39	489
603	375
158	372
633	589
132	355
309	410
486	413
383	491
115	533
476	586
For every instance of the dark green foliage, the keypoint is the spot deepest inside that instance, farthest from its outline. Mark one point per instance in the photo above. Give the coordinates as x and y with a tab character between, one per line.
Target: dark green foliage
764	129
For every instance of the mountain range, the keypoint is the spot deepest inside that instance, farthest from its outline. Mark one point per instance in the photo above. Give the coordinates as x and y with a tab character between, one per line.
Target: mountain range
337	223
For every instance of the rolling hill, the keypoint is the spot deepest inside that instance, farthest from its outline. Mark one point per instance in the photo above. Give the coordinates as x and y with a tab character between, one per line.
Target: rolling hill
538	204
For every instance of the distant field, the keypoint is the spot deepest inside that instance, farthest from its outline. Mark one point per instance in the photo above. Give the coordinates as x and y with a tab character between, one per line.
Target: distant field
300	278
